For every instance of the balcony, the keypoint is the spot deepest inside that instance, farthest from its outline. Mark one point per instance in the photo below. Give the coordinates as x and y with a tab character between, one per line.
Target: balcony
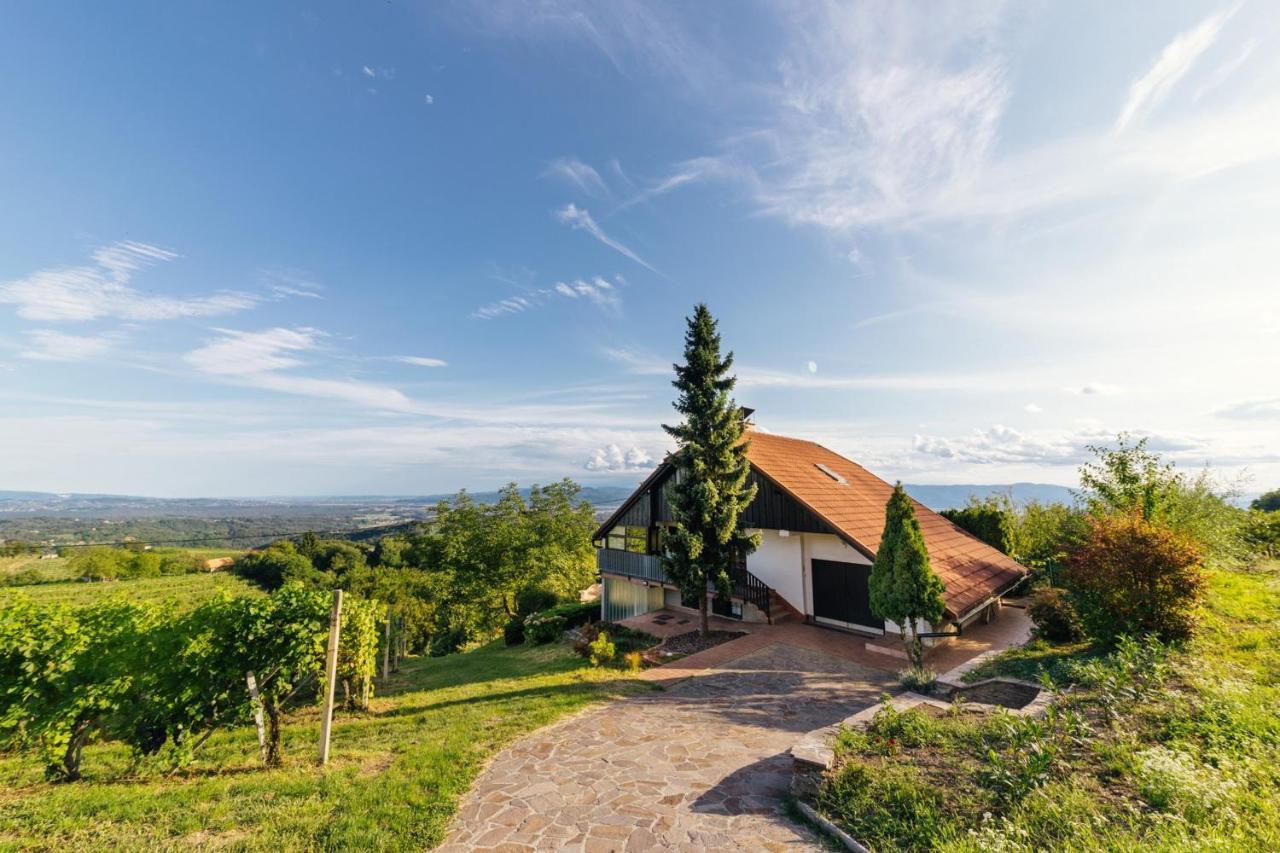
631	564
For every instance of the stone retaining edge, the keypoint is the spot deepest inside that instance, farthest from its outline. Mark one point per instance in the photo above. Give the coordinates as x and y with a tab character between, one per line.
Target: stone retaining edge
830	828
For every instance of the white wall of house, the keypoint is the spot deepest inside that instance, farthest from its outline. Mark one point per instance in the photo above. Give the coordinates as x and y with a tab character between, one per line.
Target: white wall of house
778	563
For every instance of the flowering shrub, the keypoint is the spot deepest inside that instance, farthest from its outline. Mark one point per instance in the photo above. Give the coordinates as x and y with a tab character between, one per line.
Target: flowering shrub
543	628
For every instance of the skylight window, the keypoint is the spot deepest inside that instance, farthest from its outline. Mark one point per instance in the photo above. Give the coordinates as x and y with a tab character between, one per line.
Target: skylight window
832	474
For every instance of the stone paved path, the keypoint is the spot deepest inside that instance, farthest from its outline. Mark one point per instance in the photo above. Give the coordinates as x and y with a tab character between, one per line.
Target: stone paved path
701	766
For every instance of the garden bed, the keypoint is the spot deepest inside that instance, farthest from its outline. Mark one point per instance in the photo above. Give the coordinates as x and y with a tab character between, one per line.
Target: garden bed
692	642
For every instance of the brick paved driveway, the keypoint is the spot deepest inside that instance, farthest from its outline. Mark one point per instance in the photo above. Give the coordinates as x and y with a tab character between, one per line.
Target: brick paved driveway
701	766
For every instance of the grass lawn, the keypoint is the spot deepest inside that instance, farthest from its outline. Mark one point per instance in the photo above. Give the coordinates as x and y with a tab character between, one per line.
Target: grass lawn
395	775
185	590
1148	748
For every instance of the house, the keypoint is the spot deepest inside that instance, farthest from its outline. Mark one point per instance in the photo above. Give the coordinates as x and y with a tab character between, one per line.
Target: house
820	517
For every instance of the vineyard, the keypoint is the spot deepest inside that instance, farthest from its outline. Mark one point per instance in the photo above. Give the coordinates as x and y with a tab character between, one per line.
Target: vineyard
392	783
163	680
185	591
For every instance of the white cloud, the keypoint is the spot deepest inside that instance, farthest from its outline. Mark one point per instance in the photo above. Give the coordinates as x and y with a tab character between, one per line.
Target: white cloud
877	113
428	100
1032	408
1259	409
420	361
238	353
580	219
510	305
637	362
613	458
286	283
1146	92
374	72
48	345
68	294
580	175
1002	445
263	359
597	290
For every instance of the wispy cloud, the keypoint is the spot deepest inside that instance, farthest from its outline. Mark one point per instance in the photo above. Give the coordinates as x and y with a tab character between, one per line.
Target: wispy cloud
578	174
509	305
264	360
1149	90
638	362
597	290
421	361
101	290
48	345
580	219
285	283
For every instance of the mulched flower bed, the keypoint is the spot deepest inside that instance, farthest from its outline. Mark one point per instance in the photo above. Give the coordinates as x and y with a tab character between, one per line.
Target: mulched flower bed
691	642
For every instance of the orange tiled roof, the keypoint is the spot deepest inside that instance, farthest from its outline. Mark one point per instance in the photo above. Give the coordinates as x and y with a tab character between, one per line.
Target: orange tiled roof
971	570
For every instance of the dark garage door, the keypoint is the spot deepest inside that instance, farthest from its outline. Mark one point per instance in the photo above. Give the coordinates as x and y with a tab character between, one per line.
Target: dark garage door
840	594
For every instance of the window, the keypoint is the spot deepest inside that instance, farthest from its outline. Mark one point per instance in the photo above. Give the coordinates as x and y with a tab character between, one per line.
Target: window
628	538
832	474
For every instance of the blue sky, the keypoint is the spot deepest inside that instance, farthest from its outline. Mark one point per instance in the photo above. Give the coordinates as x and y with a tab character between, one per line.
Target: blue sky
387	248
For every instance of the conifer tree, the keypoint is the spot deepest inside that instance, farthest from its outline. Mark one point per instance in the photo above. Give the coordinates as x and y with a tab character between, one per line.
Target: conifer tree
903	586
710	488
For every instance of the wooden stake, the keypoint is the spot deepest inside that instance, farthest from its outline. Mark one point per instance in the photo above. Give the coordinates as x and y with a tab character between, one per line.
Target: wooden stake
330	675
257	715
386	649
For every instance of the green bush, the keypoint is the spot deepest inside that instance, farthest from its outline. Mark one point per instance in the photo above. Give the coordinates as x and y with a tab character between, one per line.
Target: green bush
1055	617
1133	577
513	631
546	627
991	520
918	679
449	640
535	599
601	650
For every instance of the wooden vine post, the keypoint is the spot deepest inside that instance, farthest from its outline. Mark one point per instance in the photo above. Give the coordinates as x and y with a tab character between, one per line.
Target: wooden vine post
386	649
330	675
257	714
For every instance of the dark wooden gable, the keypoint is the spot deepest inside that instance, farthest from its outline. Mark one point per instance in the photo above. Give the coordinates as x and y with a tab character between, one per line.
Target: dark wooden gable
772	509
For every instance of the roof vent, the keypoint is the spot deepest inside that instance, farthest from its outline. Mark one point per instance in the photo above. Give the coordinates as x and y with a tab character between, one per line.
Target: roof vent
832	474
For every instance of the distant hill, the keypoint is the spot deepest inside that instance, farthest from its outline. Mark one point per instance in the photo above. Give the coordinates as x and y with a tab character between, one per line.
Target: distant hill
939	498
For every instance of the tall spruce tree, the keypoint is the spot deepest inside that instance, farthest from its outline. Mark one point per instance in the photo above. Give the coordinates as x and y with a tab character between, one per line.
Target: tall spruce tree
903	586
710	489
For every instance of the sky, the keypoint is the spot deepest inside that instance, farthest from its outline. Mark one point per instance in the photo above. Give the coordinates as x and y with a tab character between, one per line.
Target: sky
404	248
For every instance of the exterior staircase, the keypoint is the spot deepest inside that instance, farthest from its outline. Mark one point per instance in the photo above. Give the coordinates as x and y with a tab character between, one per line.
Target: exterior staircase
780	610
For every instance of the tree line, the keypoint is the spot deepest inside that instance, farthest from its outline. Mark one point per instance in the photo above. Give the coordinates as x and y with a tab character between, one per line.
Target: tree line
462	576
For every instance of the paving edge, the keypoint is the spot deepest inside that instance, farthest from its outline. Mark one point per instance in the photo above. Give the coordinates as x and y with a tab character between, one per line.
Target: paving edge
830	828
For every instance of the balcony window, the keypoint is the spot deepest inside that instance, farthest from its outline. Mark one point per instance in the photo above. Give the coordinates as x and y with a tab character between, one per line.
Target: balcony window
628	538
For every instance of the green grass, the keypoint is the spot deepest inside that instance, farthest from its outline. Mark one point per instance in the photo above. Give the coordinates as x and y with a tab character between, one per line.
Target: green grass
55	569
394	780
184	590
1155	749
